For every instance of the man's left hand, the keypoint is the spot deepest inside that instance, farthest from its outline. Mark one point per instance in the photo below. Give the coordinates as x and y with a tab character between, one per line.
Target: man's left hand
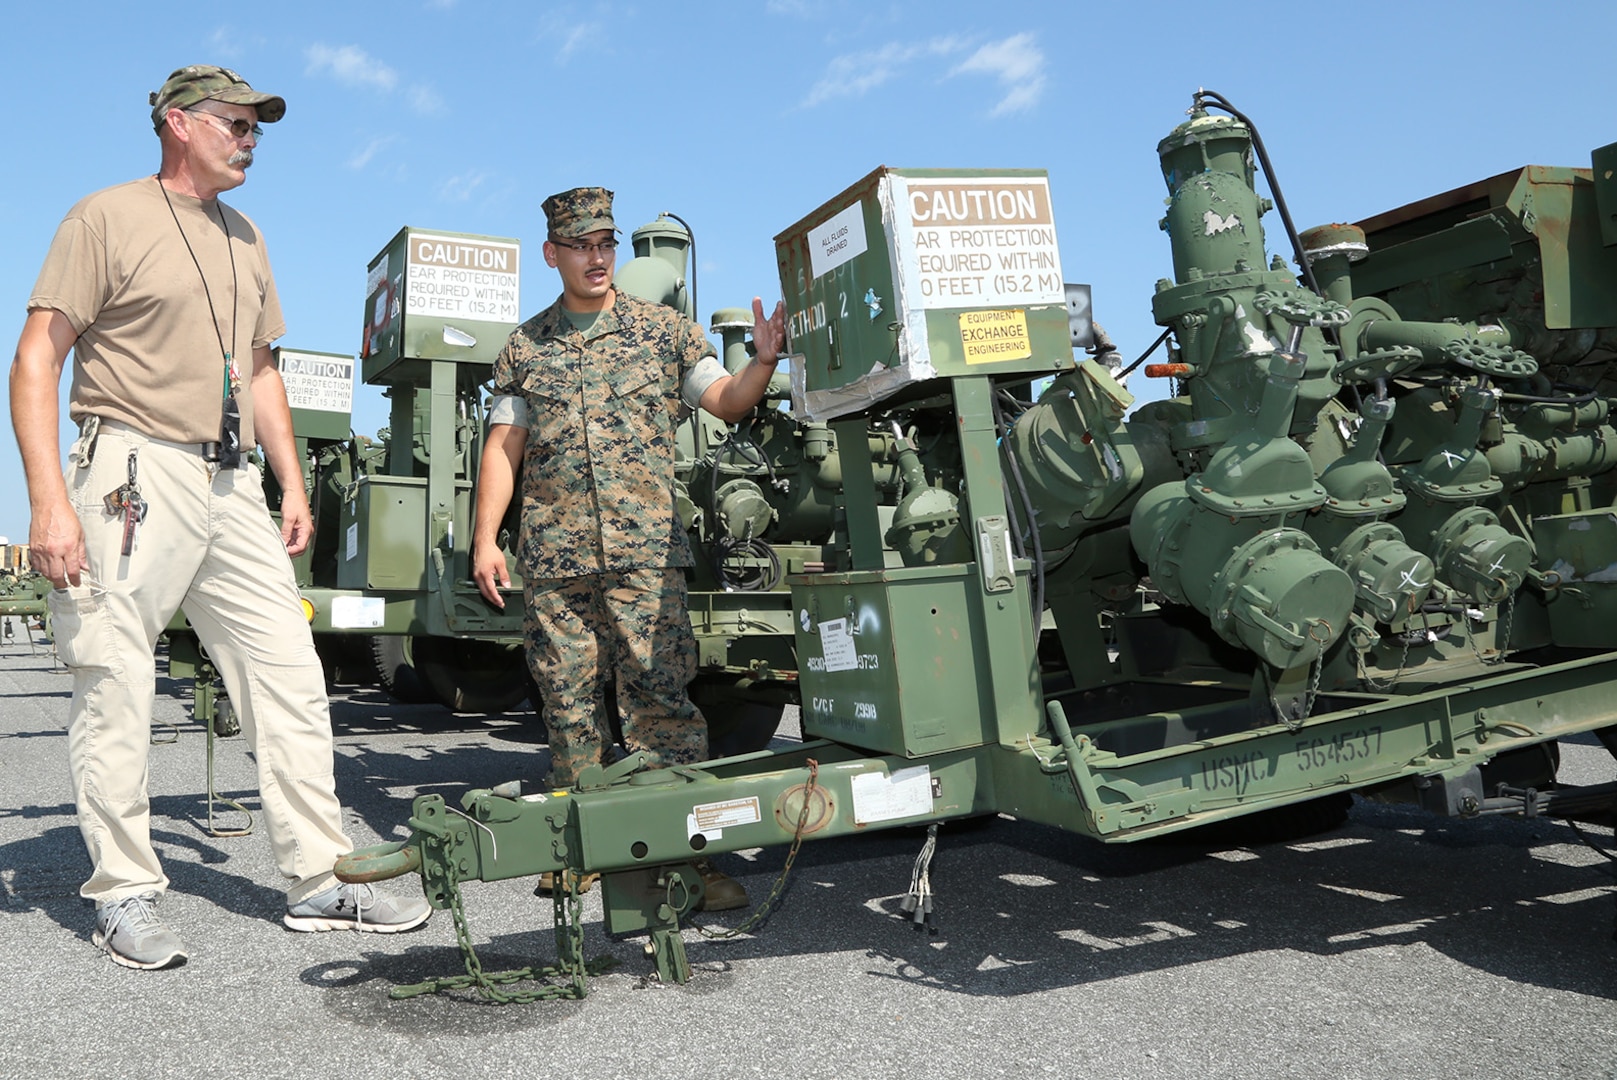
297	526
768	335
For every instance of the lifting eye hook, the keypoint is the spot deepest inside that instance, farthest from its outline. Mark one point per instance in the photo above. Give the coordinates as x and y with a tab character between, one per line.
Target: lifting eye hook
380	862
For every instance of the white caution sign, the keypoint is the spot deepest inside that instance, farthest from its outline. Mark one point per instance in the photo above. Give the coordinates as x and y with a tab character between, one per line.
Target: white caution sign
977	242
455	277
317	381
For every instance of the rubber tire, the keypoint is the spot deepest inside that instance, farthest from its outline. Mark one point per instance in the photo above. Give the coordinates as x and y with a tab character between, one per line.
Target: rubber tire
735	724
467	675
395	670
346	658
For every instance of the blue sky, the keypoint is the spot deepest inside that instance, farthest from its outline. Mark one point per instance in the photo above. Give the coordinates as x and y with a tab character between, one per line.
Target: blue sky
742	117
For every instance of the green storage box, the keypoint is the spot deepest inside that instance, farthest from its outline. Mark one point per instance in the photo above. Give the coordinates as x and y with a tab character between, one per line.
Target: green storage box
890	660
912	274
384	532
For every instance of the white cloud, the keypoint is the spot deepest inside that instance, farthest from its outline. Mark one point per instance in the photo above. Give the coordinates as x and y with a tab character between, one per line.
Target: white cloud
362	157
578	38
224	43
570	35
354	66
350	64
463	187
1017	63
425	100
790	7
228	44
856	74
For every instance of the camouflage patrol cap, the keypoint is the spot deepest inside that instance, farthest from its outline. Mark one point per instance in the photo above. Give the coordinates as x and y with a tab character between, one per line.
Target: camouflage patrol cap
205	82
579	211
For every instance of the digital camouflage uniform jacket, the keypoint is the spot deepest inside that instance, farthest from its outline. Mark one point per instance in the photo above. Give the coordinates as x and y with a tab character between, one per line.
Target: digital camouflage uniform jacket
598	468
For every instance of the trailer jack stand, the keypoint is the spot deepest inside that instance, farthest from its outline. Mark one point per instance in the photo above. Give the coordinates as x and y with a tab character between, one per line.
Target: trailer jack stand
667	951
651	900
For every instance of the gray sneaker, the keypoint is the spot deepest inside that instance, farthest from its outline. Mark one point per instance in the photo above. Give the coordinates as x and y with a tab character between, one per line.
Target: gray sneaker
133	935
357	907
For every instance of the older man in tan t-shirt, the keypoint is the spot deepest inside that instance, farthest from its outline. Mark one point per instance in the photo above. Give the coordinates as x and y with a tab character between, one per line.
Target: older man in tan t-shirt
164	295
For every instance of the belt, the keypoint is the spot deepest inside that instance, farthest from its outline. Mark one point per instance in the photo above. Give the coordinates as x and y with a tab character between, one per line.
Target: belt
207	451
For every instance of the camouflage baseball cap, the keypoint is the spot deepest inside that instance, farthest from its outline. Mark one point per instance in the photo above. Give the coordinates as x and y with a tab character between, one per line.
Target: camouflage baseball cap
205	82
579	211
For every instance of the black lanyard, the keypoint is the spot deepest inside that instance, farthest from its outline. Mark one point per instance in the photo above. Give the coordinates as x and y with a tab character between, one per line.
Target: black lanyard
227	451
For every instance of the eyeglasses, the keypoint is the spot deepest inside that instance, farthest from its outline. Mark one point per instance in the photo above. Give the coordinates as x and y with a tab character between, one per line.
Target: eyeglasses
237	127
605	247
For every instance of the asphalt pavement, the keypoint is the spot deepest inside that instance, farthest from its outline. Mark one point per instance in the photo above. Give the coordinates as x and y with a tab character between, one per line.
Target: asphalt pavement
1398	945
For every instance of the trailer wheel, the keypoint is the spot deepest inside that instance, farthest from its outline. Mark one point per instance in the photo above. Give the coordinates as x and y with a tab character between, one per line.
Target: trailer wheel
395	670
347	659
467	675
736	722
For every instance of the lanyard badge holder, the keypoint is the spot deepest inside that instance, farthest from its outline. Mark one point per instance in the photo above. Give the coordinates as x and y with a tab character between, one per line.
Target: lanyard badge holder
226	453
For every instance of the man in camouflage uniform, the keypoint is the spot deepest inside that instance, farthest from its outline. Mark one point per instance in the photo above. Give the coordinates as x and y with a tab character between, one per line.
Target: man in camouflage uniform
588	395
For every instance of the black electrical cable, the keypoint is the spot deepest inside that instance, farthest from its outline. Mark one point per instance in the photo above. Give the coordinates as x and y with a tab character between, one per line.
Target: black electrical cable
690	232
1541	399
1590	844
1219	100
1155	345
1018	547
758	580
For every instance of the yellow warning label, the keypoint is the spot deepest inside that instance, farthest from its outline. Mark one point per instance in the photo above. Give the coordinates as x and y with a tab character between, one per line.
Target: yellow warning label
989	336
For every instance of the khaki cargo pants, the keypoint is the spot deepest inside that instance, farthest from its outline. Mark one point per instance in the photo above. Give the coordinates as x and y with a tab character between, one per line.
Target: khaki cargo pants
207	546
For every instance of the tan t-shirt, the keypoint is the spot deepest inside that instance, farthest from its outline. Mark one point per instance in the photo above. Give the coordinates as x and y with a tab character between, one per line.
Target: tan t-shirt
148	352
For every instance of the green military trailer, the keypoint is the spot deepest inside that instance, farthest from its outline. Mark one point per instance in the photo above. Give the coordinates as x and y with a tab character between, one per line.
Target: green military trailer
1369	545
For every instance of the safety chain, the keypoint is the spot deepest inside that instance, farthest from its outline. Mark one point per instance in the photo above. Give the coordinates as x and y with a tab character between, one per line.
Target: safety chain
1501	637
568	909
1371	684
1293	723
569	948
757	918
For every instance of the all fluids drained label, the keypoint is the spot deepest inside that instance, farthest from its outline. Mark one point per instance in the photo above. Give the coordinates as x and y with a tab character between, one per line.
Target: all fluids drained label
837	241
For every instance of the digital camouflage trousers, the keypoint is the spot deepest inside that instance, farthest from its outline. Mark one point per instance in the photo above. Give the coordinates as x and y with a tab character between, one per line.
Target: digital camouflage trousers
625	633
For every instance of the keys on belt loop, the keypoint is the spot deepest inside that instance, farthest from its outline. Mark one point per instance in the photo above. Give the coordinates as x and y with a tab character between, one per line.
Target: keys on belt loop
126	500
